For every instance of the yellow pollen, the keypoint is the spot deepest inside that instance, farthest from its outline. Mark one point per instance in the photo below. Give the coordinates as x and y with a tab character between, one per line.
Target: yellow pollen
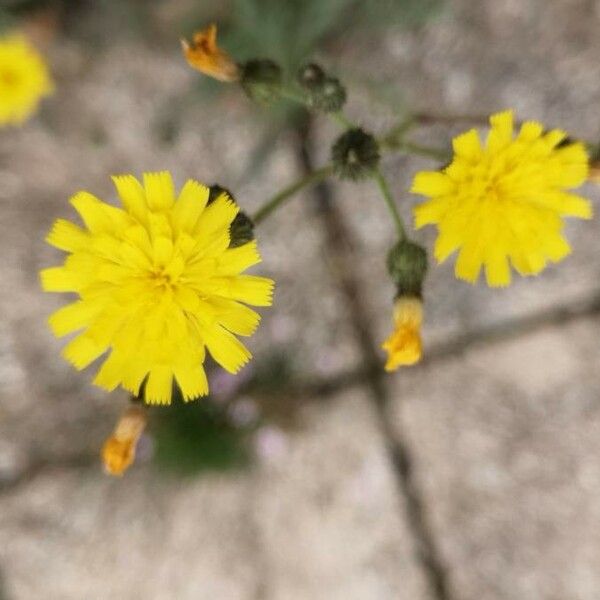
162	278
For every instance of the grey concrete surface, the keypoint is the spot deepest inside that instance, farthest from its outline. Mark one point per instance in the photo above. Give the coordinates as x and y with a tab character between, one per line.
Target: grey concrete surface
503	437
505	445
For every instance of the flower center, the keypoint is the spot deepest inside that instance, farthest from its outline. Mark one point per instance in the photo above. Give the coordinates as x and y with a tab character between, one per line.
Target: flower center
489	187
8	78
161	278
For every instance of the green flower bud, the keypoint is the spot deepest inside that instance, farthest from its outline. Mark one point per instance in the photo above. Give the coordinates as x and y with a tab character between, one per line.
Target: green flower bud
215	190
355	154
407	266
328	96
261	80
311	77
241	230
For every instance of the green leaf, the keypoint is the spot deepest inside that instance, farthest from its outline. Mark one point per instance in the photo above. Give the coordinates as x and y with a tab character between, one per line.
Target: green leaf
198	437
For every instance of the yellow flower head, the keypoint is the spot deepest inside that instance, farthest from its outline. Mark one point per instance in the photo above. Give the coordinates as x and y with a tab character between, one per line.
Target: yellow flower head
157	284
204	55
504	200
118	452
404	346
24	79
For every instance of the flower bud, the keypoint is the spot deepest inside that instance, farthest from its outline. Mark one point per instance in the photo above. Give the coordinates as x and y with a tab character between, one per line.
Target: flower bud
215	191
261	80
241	230
407	266
328	96
311	77
355	154
118	452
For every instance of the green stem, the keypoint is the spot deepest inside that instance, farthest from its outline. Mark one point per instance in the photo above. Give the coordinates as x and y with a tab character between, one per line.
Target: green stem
278	199
341	119
389	200
394	136
291	94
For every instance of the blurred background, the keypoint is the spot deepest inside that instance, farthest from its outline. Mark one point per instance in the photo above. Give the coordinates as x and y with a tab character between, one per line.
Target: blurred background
311	475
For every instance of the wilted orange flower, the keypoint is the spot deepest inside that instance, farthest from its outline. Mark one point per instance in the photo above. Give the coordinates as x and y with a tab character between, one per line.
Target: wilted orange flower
404	345
204	55
118	452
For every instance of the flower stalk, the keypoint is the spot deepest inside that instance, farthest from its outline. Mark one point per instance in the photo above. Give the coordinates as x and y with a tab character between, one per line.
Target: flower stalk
391	204
287	193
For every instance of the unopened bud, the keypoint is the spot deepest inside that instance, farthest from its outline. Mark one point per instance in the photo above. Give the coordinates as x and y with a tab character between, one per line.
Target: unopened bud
329	96
241	230
261	80
355	154
407	266
311	76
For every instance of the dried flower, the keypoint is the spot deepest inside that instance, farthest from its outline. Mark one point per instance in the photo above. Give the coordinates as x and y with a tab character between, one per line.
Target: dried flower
118	452
204	55
404	346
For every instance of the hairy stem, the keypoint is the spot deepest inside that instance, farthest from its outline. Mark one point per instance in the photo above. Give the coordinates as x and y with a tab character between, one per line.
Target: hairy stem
391	204
281	197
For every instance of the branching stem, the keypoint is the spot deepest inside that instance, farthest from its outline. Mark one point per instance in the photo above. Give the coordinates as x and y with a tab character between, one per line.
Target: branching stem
285	194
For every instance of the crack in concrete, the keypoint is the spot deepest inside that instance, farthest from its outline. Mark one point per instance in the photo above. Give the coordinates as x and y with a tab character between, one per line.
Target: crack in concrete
339	244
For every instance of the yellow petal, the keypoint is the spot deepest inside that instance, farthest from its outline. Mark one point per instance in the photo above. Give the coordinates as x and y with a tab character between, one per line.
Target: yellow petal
236	260
67	236
497	270
83	350
226	349
216	217
192	381
430	212
159	386
235	317
257	291
72	317
530	131
189	206
58	279
160	192
432	183
501	132
111	372
468	145
468	264
132	196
